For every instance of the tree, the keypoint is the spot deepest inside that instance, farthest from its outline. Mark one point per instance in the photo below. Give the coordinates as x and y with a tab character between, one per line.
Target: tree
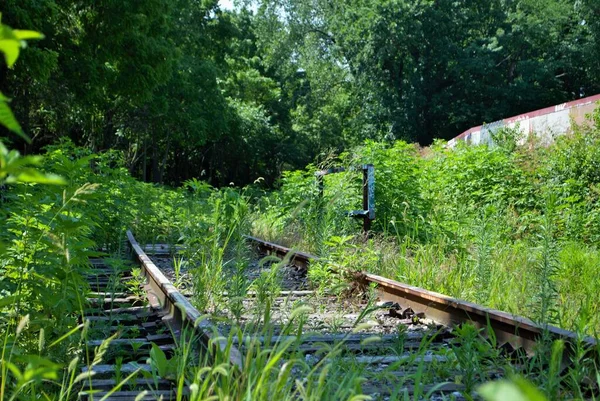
430	69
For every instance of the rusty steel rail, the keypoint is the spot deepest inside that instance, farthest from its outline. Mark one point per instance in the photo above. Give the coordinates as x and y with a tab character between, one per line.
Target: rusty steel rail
519	332
180	312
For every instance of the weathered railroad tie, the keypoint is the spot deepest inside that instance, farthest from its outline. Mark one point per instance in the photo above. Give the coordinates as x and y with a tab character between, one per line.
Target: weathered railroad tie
135	314
133	325
416	350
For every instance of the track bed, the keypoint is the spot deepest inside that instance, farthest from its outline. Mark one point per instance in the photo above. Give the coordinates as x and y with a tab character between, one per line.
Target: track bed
118	310
394	349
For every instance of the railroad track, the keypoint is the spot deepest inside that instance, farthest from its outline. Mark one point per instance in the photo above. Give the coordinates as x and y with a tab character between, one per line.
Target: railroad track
516	338
398	339
120	312
514	331
140	312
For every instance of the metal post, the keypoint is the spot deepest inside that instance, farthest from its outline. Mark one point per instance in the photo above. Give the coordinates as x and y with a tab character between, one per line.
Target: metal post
368	183
365	203
368	196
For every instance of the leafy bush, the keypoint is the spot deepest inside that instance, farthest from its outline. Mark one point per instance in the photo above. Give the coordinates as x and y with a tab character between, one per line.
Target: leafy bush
507	226
475	176
398	195
571	171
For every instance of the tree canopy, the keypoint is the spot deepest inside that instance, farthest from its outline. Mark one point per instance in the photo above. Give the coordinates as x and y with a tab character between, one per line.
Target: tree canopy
187	89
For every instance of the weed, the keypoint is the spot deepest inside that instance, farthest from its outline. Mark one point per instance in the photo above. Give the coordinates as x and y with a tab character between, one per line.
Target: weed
267	286
118	366
239	283
178	264
136	283
474	355
547	268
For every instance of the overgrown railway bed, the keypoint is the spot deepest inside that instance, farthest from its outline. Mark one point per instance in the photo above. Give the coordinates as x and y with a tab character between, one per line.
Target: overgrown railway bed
401	339
398	339
131	325
134	315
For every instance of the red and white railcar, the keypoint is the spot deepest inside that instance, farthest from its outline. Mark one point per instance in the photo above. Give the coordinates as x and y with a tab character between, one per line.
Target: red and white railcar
545	123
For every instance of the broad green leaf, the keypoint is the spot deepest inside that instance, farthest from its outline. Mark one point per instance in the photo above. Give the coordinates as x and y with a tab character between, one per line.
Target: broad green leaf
7	118
9	300
22	34
39	368
517	389
10	48
13	162
34	176
159	360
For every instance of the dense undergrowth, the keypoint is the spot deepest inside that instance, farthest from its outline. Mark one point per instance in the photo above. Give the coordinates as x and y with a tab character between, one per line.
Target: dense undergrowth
512	227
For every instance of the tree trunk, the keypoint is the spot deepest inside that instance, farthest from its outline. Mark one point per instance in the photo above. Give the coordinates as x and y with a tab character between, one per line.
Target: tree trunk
163	164
145	162
155	164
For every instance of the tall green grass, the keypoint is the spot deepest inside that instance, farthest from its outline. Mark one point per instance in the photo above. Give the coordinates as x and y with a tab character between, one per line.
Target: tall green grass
514	228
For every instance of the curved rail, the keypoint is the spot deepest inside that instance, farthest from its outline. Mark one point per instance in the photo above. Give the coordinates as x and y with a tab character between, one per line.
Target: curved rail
517	331
180	311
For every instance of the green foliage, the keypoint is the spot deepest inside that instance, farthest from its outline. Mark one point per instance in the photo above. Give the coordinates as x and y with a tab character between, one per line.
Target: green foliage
180	90
421	70
11	42
514	228
397	186
346	257
162	366
209	234
474	355
507	138
187	89
14	168
571	174
517	389
474	176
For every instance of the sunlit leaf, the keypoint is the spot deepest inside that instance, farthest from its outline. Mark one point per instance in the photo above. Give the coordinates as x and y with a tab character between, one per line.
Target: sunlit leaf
7	118
39	368
159	360
10	48
15	370
35	176
22	34
517	389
